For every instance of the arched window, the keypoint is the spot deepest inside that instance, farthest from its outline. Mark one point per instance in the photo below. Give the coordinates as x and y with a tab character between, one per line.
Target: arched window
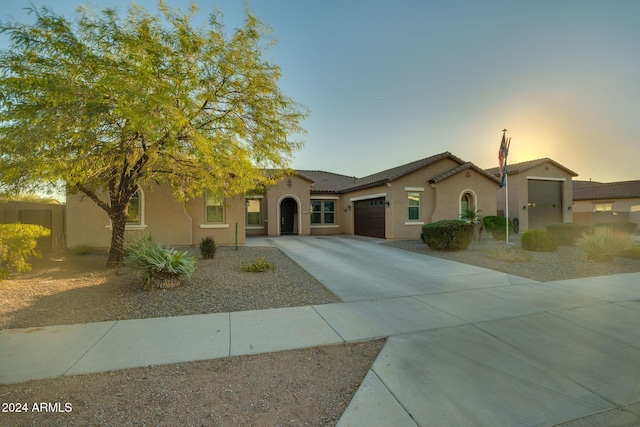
468	206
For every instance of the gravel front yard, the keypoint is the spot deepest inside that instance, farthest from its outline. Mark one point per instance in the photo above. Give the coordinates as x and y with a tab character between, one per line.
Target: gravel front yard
565	263
300	387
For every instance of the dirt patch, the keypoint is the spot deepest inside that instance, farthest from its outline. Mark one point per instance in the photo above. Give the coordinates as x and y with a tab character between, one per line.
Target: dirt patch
301	387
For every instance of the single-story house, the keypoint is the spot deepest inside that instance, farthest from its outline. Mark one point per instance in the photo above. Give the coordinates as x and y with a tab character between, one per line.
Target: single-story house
48	215
540	193
611	202
391	204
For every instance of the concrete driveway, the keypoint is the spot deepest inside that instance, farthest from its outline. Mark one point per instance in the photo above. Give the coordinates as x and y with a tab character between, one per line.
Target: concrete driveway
472	347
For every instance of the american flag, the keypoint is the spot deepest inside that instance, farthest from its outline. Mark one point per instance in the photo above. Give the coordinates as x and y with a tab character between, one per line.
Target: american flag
502	158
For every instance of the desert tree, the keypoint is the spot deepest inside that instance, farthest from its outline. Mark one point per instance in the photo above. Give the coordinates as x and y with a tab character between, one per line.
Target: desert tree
105	103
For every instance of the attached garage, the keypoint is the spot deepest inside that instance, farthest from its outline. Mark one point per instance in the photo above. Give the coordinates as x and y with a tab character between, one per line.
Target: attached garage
545	203
369	217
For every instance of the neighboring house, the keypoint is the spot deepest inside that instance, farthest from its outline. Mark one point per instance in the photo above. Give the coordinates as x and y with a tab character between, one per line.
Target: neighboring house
540	193
391	204
48	215
611	202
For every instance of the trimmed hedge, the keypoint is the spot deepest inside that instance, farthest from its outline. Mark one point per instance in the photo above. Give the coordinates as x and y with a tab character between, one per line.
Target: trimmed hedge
538	241
447	235
496	225
567	233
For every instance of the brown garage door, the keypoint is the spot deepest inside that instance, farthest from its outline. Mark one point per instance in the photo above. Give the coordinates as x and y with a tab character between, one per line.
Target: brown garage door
368	217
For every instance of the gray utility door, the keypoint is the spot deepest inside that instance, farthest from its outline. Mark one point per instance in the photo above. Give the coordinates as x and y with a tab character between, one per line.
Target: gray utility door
288	216
545	203
39	217
369	217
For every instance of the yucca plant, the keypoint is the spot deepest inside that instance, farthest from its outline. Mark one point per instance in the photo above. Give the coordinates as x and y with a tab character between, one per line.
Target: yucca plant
160	267
603	243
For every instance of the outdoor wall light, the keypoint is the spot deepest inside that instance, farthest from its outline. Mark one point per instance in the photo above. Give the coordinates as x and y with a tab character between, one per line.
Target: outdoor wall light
524	208
570	208
386	204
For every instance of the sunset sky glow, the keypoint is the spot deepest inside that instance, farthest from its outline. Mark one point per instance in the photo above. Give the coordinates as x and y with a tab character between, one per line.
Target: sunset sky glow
391	82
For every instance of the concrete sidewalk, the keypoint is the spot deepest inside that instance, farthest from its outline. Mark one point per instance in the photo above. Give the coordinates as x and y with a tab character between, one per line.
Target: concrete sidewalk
466	346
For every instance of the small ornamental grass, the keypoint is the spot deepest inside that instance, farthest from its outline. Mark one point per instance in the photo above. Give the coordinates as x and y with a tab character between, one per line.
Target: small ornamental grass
603	243
259	266
160	267
512	255
567	233
207	247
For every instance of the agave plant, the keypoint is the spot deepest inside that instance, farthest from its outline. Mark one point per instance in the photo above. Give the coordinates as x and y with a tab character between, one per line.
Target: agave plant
160	267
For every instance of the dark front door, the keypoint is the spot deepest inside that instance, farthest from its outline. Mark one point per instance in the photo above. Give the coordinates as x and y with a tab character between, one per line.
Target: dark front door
368	217
288	216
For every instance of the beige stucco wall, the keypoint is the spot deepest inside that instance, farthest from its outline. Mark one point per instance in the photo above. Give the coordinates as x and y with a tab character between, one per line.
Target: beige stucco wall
296	188
519	192
437	202
223	233
173	223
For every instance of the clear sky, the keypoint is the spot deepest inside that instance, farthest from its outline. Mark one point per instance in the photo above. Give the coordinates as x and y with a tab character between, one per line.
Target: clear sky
389	82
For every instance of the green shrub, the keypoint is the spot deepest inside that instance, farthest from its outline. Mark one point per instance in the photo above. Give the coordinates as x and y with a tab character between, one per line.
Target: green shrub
538	241
160	267
83	250
207	247
567	233
448	235
509	254
603	243
259	266
17	243
624	227
632	252
497	225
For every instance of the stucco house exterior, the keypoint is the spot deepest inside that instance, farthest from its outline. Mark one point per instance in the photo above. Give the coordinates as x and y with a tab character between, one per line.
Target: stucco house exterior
540	193
611	202
391	204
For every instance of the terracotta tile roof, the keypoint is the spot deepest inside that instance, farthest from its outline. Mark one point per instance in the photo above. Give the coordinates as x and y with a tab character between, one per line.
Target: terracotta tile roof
326	182
399	171
609	190
467	165
523	166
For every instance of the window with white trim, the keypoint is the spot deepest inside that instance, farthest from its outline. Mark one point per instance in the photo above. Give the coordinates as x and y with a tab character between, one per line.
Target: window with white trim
323	211
602	207
134	209
413	206
254	215
215	207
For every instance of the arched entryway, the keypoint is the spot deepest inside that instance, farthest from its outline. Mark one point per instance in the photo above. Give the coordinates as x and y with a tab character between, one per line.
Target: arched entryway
288	216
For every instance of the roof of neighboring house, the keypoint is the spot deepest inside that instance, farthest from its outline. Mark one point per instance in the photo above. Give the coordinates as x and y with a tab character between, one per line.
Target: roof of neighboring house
326	182
608	190
523	166
467	165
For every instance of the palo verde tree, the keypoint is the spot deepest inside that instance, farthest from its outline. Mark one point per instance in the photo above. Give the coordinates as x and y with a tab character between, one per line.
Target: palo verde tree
105	104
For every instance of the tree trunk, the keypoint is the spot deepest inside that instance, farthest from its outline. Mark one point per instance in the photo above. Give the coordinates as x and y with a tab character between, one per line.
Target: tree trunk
116	251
